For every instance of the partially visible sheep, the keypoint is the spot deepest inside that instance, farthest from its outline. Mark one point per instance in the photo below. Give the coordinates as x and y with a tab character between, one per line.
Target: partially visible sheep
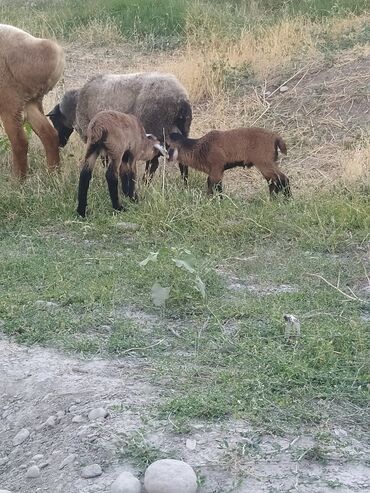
29	68
159	101
219	150
122	139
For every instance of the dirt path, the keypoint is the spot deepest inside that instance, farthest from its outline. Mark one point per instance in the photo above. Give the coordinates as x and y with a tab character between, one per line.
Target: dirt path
38	383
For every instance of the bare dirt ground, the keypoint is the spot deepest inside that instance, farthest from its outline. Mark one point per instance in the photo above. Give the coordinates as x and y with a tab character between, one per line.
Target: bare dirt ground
37	383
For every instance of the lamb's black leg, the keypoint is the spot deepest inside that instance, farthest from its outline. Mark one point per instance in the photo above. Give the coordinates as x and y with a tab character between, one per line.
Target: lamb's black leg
83	187
132	181
150	169
184	170
112	181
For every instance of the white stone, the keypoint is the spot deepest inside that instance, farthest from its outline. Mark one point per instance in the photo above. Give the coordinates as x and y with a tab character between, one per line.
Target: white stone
99	412
37	457
51	422
33	472
284	88
191	444
126	483
5	491
78	419
68	460
21	436
91	471
170	476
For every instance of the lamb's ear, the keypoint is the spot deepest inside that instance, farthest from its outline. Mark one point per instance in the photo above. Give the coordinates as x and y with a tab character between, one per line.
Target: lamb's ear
161	149
151	137
54	111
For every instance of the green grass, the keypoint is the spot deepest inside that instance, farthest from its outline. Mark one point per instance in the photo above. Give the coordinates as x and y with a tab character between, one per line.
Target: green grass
236	360
164	23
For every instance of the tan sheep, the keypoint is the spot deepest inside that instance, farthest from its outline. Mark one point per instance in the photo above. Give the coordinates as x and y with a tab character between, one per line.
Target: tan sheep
121	138
219	150
29	68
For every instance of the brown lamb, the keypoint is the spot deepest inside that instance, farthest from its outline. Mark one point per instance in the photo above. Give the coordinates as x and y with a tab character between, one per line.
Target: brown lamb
219	150
29	68
120	138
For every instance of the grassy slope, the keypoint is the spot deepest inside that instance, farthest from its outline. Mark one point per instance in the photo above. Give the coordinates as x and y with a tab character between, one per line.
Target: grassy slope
230	355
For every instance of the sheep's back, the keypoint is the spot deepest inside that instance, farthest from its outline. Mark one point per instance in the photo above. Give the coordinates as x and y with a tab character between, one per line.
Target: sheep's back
32	66
152	97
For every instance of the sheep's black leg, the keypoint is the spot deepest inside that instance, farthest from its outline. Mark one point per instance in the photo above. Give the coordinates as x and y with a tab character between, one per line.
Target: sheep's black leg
112	181
184	170
83	187
219	188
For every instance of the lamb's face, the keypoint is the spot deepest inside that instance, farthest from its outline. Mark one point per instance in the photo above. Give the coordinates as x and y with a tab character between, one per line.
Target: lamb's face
174	141
152	148
58	120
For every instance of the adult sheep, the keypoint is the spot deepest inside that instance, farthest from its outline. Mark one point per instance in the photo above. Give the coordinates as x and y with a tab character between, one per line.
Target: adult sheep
29	68
158	100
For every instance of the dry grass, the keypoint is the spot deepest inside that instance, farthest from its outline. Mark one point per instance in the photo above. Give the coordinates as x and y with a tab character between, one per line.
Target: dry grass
100	32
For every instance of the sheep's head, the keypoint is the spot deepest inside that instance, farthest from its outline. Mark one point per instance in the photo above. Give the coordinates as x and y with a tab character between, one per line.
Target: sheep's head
63	116
153	146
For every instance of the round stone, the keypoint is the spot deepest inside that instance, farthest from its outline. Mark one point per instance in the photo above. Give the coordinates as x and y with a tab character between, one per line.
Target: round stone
126	483
170	476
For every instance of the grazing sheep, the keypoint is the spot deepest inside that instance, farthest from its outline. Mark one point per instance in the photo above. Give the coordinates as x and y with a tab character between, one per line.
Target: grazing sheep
158	100
122	139
218	151
29	68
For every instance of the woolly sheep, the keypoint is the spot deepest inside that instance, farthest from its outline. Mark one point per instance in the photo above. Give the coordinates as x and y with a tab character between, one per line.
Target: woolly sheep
121	138
29	68
219	150
158	99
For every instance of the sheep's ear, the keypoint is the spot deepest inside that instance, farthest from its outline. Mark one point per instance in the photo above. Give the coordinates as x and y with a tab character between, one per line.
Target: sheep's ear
151	137
161	149
54	111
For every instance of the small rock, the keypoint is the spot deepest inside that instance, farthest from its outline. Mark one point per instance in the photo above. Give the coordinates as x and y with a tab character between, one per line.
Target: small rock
38	457
78	419
340	432
267	93
21	436
170	476
92	471
5	491
191	444
51	422
284	88
3	460
73	408
68	460
60	415
99	412
33	472
46	304
128	226
126	483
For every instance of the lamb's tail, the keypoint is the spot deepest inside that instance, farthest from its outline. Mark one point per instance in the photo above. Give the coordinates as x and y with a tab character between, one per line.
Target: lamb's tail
280	144
96	140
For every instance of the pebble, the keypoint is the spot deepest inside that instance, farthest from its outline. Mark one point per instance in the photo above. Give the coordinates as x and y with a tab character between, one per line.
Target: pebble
170	476
5	491
92	471
284	88
51	422
68	460
128	226
60	415
33	472
126	483
44	464
21	436
99	412
37	457
191	444
78	419
3	460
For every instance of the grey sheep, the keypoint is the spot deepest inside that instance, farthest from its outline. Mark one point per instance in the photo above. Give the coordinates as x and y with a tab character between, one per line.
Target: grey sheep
159	100
29	68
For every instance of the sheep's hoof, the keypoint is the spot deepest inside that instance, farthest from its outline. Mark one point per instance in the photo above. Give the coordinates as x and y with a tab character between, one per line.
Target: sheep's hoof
81	212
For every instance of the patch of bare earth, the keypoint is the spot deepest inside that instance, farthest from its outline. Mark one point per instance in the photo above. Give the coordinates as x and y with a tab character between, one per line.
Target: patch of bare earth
37	383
